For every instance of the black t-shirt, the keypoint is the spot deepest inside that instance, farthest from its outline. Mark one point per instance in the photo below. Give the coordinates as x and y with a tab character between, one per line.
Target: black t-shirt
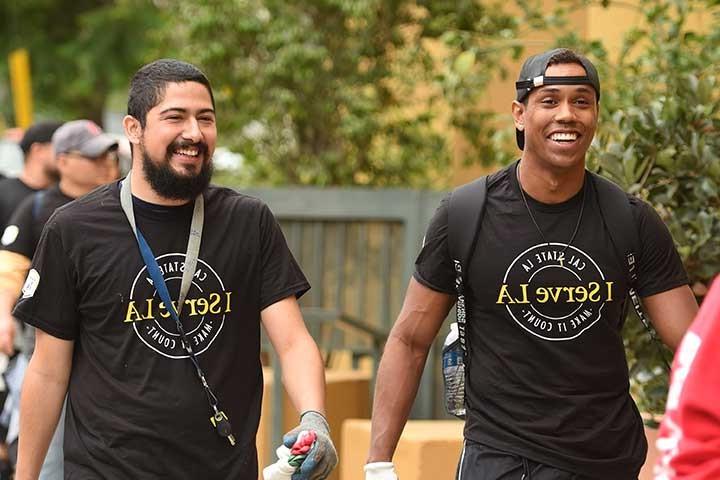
12	192
136	408
548	376
23	230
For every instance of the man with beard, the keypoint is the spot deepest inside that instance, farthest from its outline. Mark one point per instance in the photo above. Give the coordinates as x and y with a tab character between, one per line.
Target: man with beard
546	386
148	295
38	172
85	158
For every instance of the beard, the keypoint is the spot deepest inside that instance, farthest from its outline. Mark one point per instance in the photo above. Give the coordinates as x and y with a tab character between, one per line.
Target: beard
171	185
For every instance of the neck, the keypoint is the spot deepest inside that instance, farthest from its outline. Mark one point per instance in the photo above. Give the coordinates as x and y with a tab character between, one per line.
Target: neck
550	185
142	189
33	175
72	190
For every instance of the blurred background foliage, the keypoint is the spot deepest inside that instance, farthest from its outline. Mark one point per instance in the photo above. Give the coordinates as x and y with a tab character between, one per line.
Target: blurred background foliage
382	92
351	92
660	139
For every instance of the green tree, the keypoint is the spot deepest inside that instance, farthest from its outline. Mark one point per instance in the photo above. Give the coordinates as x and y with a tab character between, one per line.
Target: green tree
351	92
660	139
80	50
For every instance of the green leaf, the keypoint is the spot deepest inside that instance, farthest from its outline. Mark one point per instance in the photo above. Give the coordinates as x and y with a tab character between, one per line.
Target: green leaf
464	62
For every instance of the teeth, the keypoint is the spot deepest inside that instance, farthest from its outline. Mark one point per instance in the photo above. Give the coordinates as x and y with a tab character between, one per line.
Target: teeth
190	152
563	137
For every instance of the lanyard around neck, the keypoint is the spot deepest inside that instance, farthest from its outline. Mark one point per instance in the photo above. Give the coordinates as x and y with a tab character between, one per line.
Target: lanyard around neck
191	256
193	246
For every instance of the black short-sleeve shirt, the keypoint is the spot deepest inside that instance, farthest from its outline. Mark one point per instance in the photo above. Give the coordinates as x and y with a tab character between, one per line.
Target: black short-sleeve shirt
23	230
548	377
136	408
12	192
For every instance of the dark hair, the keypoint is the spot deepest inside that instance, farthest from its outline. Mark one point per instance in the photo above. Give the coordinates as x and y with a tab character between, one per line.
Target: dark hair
564	56
148	85
40	132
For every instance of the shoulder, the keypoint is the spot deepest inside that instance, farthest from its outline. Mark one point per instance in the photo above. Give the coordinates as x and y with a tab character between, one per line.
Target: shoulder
225	198
612	198
229	196
494	179
641	209
501	176
647	219
607	188
10	188
24	209
10	182
467	194
88	208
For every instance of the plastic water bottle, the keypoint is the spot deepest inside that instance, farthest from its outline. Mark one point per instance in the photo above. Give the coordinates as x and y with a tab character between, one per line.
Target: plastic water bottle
453	365
280	470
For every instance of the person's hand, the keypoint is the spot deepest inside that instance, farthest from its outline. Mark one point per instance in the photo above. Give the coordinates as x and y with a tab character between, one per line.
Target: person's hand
7	334
322	457
380	471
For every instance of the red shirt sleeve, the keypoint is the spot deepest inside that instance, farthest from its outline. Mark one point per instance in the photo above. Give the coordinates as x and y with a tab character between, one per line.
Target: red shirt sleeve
689	440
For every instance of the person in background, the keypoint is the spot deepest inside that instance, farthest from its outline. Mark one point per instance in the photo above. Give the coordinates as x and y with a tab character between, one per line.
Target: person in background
85	158
38	172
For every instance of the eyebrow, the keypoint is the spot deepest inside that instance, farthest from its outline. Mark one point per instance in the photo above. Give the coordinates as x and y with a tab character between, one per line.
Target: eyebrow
184	110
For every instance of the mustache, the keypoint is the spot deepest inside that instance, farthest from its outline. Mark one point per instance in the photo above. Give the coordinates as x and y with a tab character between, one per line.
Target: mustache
201	146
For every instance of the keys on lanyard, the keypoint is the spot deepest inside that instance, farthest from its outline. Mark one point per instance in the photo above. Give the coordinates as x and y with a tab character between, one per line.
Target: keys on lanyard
222	426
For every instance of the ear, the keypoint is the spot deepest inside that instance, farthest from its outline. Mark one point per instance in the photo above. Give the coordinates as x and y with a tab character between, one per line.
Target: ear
62	162
133	129
37	148
518	113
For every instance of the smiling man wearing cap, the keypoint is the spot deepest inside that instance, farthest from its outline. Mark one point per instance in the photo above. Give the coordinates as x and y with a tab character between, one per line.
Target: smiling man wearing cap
85	159
544	293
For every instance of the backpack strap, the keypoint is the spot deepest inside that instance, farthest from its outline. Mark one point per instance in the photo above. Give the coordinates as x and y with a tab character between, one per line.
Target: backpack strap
465	211
37	203
617	215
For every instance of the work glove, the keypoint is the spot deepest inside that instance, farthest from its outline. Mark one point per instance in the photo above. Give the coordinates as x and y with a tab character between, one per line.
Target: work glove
380	471
322	457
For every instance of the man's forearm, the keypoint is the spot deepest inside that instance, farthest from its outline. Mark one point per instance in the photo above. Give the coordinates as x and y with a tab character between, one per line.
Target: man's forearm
7	321
397	384
304	374
7	301
40	405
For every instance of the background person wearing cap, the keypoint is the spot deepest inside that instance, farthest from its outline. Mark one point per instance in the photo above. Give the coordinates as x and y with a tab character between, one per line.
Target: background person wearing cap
86	159
38	172
546	389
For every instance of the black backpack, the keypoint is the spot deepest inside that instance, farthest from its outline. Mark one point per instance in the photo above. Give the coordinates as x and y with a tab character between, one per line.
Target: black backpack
465	212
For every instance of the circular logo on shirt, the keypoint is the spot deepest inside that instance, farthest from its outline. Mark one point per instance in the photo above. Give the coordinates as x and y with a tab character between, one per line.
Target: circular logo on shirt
555	291
10	235
203	312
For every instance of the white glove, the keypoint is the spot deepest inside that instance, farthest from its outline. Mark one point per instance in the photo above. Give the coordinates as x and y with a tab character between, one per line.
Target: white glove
380	471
